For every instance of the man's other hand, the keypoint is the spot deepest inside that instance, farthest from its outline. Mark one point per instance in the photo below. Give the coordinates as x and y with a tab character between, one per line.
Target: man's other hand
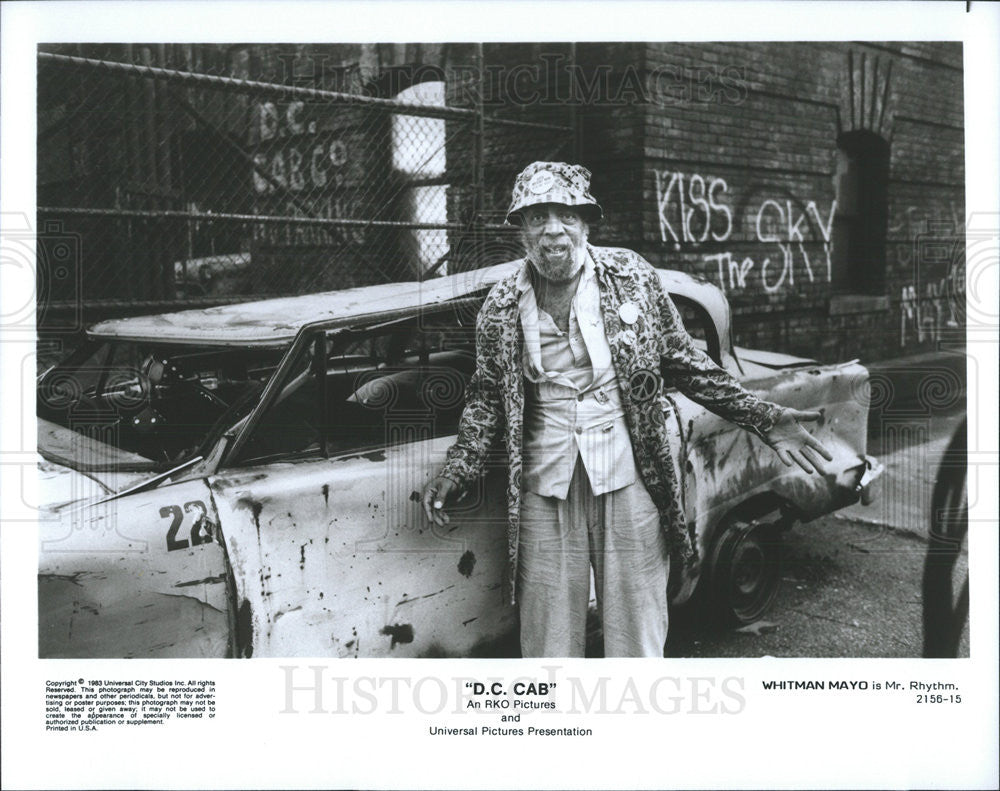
793	443
436	494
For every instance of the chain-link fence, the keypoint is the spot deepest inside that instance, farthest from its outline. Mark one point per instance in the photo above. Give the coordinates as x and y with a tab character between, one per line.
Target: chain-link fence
186	175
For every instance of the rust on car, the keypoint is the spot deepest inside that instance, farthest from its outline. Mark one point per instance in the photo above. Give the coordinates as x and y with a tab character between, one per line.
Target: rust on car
244	480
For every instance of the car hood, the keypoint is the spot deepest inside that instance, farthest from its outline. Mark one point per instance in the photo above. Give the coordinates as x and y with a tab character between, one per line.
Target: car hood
771	359
76	468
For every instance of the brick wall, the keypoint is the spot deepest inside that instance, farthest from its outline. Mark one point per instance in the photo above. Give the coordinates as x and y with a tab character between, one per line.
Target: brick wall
718	159
726	169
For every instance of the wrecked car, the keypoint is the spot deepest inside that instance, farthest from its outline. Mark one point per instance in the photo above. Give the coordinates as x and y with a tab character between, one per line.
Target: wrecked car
244	480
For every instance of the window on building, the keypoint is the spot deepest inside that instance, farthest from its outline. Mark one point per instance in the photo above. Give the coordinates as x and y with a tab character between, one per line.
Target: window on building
860	223
418	156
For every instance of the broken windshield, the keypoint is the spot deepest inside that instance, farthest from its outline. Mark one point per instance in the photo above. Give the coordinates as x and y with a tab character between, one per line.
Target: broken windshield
160	403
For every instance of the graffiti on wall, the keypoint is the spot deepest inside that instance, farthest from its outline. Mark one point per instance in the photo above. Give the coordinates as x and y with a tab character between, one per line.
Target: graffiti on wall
912	221
926	316
695	209
303	161
298	170
931	241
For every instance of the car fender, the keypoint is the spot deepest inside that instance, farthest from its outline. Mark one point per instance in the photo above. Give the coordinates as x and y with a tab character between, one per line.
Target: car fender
136	576
723	467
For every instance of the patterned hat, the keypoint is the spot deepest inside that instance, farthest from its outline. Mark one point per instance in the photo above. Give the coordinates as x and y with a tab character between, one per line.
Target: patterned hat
554	182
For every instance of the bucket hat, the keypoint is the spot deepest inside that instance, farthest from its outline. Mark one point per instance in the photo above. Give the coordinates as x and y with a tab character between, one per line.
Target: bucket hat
554	182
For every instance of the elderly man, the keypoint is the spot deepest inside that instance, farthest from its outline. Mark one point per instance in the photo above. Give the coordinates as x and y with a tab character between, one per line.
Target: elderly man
561	348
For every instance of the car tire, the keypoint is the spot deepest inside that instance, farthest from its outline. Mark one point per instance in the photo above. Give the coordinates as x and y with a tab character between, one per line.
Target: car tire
744	571
945	594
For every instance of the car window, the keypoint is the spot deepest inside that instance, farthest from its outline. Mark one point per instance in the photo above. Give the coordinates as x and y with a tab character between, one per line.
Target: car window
699	326
373	388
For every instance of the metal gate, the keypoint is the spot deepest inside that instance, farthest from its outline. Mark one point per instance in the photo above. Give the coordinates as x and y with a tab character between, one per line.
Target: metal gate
176	175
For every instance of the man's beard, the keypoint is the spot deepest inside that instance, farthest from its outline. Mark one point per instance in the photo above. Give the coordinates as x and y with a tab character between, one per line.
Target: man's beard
557	263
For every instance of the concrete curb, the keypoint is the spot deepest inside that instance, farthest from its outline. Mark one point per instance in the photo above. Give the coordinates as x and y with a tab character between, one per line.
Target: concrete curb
930	382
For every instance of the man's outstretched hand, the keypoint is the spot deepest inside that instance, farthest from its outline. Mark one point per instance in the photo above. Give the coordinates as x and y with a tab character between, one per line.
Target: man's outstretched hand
436	494
793	443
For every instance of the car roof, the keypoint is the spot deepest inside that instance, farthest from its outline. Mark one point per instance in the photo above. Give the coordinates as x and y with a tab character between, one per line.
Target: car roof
274	322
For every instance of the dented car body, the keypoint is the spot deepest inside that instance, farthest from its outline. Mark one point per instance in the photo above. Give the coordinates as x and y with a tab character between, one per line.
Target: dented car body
243	480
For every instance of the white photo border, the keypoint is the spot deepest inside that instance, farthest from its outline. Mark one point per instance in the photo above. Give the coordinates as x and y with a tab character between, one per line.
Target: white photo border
793	741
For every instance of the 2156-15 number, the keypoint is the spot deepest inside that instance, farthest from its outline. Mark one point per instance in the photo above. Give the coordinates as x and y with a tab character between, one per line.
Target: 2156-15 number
939	698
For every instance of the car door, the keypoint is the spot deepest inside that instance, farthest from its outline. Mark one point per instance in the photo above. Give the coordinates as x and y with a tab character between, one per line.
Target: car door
138	576
334	556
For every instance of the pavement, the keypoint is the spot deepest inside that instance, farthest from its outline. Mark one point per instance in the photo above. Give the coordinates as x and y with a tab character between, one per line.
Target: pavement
848	589
917	403
851	584
852	580
911	453
917	384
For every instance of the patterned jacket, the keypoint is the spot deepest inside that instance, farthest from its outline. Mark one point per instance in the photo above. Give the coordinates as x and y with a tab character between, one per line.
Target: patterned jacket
655	342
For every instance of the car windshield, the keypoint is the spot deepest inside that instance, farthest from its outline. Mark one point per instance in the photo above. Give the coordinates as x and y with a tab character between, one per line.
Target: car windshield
370	387
132	405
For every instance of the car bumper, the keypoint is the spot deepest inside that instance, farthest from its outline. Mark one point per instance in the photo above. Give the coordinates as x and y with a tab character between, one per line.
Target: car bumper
869	486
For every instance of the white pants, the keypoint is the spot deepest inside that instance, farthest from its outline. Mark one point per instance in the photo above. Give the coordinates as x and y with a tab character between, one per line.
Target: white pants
619	534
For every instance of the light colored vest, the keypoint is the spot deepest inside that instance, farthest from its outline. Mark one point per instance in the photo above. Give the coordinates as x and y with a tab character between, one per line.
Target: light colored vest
573	407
